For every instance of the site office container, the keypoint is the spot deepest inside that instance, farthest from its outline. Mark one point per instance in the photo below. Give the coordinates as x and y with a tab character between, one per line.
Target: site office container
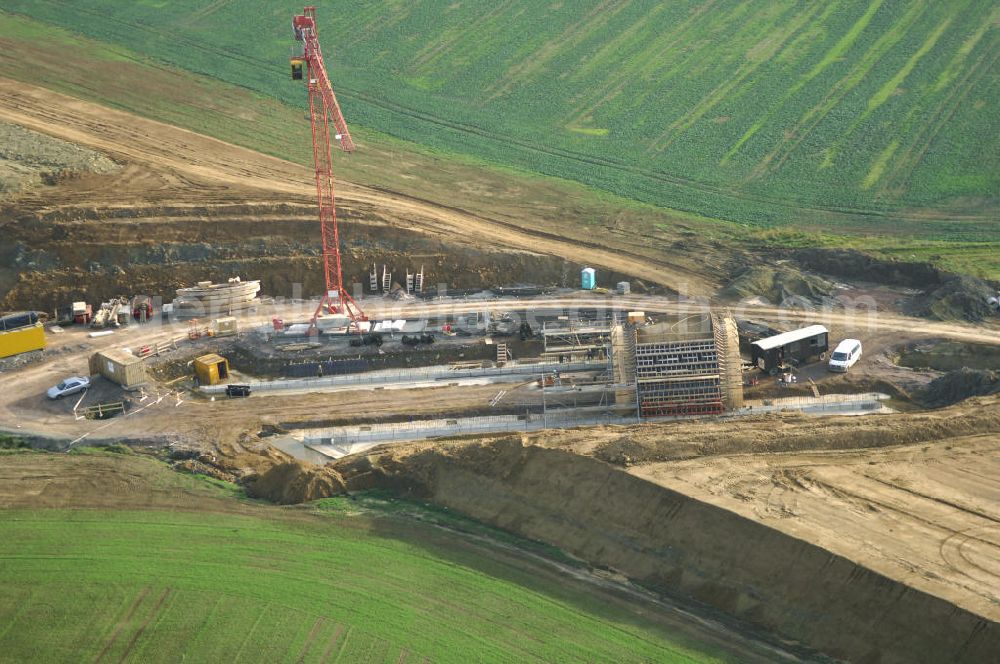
211	369
22	340
790	348
119	366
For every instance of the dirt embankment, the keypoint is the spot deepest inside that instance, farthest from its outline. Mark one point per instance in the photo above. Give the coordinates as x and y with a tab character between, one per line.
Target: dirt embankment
958	385
943	295
792	433
162	221
97	253
682	546
265	472
781	284
851	264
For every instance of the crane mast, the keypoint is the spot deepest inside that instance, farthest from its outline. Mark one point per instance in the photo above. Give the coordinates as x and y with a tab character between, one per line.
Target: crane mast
324	110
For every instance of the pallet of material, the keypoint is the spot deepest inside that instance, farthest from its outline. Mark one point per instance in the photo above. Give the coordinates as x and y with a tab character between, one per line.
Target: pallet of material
207	298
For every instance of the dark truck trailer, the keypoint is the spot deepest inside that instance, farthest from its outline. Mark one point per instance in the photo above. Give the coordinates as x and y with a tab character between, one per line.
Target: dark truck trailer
790	348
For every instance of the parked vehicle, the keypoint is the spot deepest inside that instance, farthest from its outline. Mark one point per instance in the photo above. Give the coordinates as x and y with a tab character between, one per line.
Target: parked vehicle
368	339
845	355
72	385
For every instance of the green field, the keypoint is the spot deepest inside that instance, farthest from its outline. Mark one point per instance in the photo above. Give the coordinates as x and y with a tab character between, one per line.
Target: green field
783	112
349	581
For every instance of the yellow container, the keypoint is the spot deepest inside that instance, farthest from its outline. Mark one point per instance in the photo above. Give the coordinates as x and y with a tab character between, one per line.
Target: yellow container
22	340
211	369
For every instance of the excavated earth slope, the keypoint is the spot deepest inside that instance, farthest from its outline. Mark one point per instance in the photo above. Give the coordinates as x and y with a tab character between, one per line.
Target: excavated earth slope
185	207
883	553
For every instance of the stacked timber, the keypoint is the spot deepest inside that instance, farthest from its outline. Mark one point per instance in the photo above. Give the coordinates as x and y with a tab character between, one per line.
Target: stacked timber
210	299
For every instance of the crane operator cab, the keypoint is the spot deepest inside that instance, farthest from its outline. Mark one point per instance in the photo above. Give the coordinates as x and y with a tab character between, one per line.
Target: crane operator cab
297	69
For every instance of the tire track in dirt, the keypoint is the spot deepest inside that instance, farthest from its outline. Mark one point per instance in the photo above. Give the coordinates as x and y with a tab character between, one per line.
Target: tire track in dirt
953	552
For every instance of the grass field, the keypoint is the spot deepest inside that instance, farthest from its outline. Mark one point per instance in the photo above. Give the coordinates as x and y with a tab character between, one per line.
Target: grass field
763	114
343	581
123	78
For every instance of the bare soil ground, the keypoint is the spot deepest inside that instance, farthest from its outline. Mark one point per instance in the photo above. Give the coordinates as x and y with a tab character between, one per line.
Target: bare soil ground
914	496
185	206
927	514
795	523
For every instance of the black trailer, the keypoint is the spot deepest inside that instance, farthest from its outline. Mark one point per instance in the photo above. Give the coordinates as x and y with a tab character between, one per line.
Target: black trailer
790	348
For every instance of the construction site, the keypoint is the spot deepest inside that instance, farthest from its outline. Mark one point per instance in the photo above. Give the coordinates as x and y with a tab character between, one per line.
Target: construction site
612	399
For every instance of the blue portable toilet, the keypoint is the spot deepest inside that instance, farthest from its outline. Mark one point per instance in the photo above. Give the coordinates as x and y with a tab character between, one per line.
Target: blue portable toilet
588	278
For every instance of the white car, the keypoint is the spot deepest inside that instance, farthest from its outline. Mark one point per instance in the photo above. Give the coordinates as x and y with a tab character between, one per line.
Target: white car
845	355
69	386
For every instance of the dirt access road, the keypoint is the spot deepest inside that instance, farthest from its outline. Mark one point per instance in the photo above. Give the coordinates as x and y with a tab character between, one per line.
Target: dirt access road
180	168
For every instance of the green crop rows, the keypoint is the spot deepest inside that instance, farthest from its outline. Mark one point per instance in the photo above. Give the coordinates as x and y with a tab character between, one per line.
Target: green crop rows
162	586
763	113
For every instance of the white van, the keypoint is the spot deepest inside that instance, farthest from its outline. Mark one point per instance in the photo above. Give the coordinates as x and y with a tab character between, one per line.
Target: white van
845	355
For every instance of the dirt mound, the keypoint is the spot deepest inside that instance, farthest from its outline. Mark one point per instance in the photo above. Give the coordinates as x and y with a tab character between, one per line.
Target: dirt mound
959	298
29	159
296	482
778	285
949	355
851	264
959	385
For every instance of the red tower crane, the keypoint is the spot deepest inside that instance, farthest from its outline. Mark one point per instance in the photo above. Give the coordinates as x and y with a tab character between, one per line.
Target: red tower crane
324	109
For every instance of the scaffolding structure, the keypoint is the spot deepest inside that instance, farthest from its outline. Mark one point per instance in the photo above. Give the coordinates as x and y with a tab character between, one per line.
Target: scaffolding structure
573	341
688	367
592	392
727	340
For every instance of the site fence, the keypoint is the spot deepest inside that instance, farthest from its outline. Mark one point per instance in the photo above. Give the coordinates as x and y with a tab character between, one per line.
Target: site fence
327	368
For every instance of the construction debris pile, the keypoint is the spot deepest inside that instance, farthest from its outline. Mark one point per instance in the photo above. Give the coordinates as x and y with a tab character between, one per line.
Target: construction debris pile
113	313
